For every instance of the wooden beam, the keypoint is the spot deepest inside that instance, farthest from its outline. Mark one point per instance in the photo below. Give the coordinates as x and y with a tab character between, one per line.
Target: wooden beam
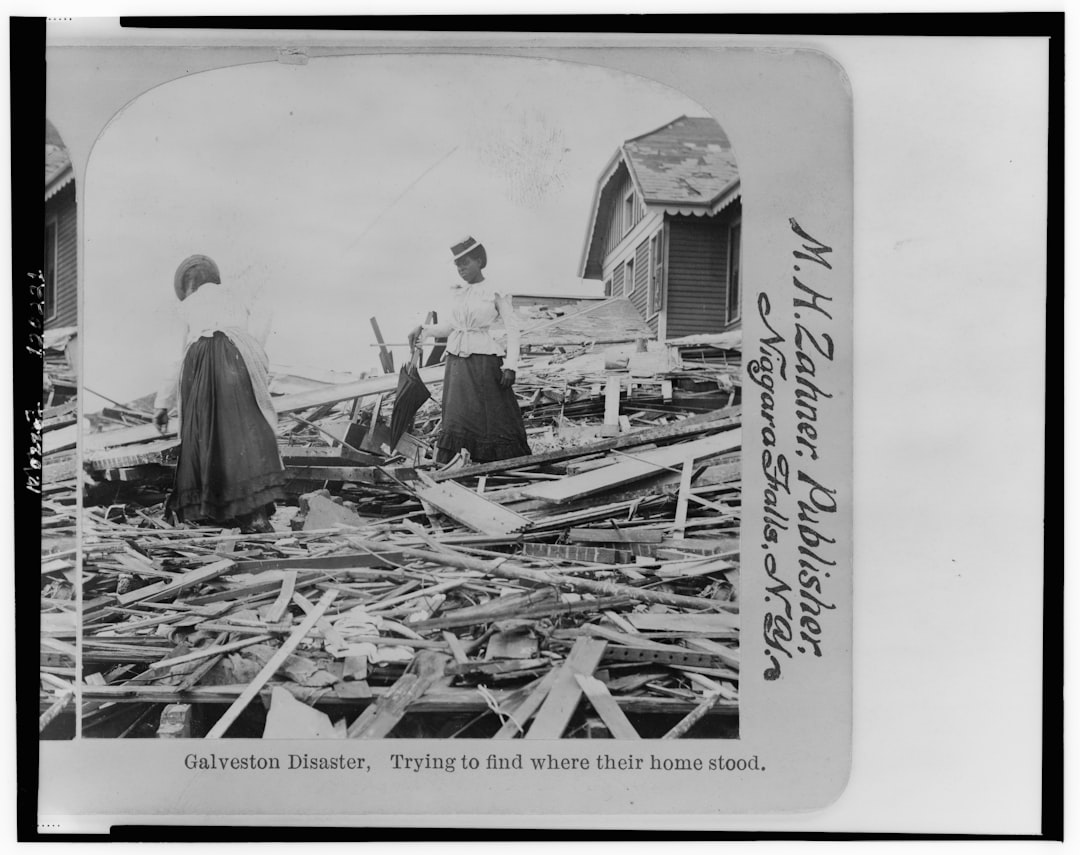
471	510
606	708
162	590
427	669
634	469
271	667
689	426
509	570
558	708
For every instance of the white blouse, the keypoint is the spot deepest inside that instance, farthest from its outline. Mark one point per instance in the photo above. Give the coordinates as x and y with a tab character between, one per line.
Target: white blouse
212	308
474	311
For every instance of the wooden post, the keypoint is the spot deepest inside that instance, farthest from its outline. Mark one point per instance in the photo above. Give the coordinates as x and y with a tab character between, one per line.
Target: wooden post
684	496
611	406
386	358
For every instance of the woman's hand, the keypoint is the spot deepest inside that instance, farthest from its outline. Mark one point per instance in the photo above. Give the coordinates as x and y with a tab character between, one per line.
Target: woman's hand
161	420
509	377
416	337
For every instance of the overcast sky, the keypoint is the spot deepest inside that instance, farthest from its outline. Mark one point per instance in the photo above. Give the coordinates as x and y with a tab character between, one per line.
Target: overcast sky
333	190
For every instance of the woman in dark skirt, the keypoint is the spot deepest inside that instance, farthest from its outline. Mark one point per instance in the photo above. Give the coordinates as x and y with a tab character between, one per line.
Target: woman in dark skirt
480	411
229	470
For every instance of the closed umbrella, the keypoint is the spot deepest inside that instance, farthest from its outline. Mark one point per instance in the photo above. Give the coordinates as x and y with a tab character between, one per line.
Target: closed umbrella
411	394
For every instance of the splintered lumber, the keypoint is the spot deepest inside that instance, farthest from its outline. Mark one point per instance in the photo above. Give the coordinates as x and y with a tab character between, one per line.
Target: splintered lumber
509	570
611	402
683	504
211	650
692	718
683	622
426	669
559	552
470	509
519	713
632	469
607	708
332	394
558	708
163	590
271	667
686	427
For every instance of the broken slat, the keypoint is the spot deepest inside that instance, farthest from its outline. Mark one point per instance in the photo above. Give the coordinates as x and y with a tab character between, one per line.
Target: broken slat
471	510
268	671
607	708
686	427
558	708
288	585
425	671
561	552
692	718
162	590
641	466
519	715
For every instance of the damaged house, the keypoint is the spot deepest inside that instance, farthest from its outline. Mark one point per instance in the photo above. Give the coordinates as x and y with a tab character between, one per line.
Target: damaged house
665	229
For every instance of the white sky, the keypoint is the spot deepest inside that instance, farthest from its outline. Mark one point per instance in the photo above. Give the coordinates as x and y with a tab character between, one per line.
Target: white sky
334	190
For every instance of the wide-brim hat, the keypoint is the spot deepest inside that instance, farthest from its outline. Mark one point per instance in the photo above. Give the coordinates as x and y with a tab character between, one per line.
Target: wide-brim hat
467	246
208	271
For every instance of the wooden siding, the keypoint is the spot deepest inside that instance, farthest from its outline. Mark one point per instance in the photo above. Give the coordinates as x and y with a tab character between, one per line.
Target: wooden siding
640	296
62	208
619	224
697	276
617	282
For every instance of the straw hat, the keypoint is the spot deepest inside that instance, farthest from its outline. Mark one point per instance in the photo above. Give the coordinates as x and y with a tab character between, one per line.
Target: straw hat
468	246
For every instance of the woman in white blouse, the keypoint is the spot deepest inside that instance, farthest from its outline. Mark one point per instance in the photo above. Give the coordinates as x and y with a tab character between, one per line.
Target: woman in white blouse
229	470
480	411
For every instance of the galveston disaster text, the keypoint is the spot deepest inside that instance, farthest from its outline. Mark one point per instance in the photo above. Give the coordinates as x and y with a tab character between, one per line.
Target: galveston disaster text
791	371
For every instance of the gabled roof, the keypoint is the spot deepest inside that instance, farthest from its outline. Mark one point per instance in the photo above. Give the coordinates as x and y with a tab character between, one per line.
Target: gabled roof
687	167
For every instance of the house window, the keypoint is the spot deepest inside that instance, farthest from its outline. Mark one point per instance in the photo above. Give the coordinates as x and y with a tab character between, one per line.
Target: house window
734	291
607	288
656	272
629	285
49	270
629	209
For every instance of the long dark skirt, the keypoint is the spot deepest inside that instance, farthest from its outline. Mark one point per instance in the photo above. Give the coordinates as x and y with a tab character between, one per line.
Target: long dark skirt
229	464
478	414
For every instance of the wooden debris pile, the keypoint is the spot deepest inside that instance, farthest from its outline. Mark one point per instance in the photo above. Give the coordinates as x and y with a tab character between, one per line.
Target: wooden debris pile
588	589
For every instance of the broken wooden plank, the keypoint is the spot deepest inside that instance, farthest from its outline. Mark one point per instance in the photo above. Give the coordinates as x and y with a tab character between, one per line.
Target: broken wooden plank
332	394
510	570
607	708
518	712
558	707
271	667
471	510
692	718
561	552
682	505
686	427
426	669
632	469
162	590
276	611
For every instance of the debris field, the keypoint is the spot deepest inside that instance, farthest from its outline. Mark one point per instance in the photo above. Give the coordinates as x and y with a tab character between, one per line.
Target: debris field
590	589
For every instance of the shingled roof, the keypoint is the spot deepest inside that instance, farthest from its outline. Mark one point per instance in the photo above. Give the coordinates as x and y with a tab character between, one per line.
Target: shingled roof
57	162
685	167
686	162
